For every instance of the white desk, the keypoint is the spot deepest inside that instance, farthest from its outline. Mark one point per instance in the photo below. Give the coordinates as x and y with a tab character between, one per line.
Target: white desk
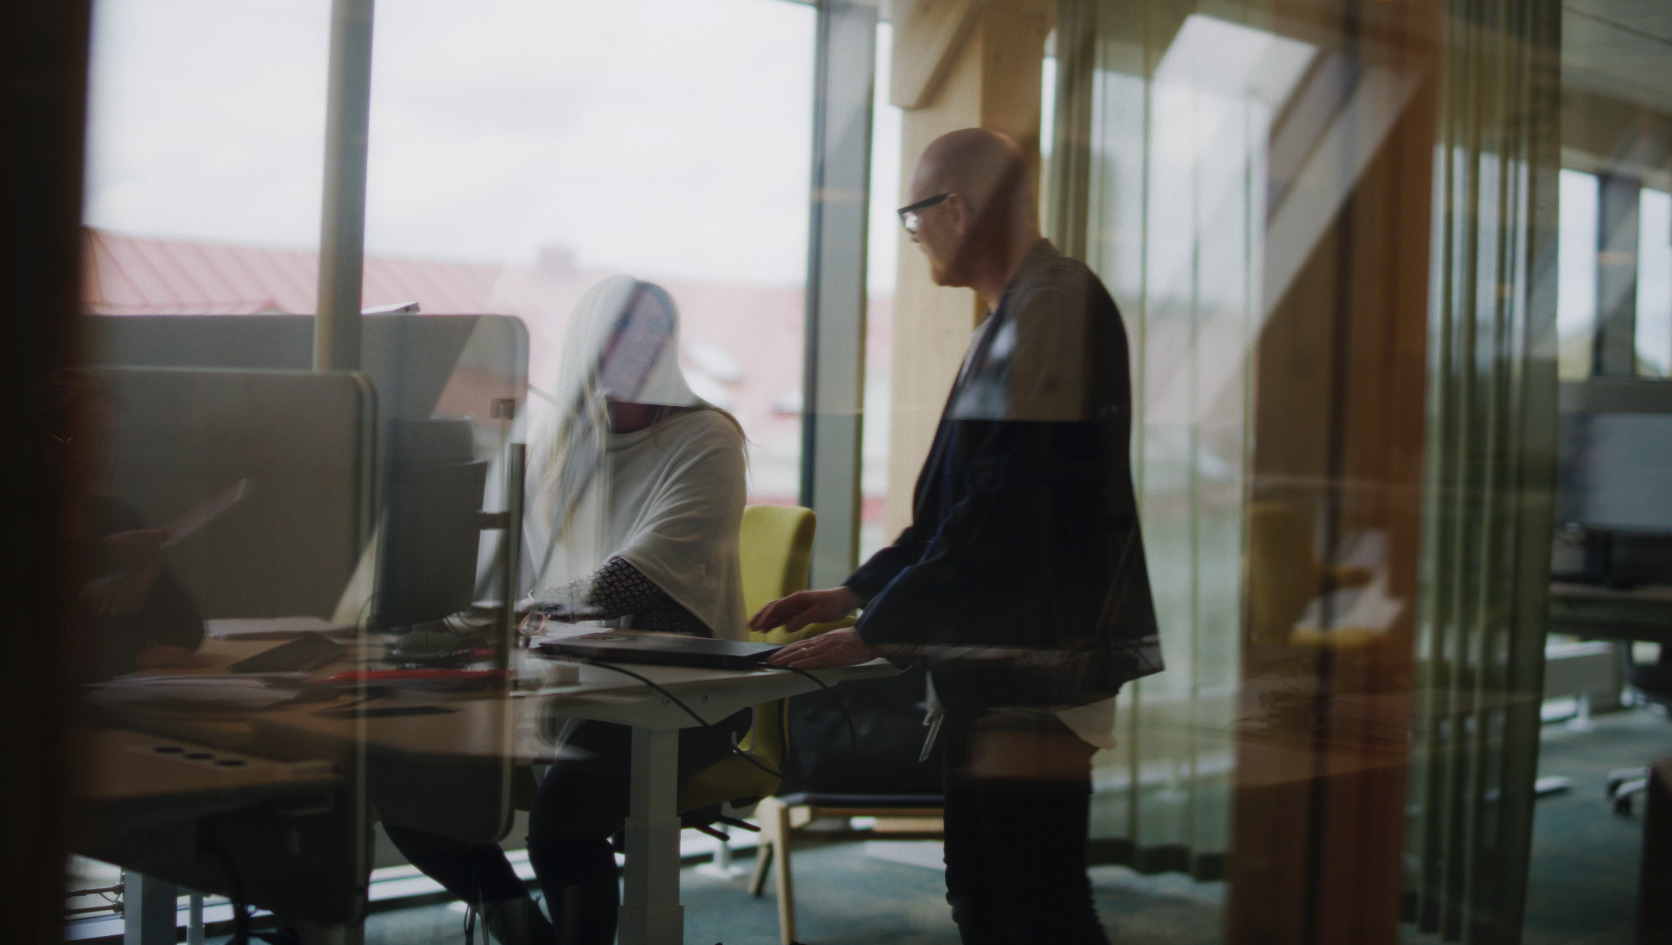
512	727
650	909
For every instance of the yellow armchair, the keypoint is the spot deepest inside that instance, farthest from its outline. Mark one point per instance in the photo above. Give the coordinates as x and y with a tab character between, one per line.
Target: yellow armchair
775	547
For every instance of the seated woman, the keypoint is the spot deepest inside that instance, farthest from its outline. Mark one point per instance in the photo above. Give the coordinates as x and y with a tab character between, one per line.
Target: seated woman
643	493
139	615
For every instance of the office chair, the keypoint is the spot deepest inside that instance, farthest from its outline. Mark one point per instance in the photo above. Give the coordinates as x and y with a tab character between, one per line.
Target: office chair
913	817
775	546
1651	686
1285	575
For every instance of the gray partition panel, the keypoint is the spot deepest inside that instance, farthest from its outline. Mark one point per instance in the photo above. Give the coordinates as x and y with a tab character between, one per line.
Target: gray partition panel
421	365
305	441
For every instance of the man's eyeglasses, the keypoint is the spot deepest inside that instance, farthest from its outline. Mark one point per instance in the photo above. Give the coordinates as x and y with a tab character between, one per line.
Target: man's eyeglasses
908	214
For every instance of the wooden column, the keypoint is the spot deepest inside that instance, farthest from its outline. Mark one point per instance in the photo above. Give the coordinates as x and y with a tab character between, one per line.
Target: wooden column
957	64
1338	433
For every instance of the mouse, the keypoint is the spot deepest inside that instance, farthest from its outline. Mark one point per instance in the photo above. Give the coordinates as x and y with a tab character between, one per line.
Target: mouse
425	645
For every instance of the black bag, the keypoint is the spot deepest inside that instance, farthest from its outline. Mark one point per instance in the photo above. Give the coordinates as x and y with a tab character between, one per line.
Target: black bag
879	756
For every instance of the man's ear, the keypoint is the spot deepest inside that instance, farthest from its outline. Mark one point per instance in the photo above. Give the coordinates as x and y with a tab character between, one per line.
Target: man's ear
958	213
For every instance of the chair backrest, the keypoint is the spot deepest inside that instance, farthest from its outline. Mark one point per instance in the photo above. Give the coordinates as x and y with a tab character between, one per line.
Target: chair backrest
775	547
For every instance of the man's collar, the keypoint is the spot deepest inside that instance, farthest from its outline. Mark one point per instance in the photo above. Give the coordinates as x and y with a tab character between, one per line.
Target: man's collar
1039	255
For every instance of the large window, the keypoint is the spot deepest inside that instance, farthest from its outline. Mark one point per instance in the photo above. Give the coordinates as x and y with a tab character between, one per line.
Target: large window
519	152
1654	284
1581	259
206	122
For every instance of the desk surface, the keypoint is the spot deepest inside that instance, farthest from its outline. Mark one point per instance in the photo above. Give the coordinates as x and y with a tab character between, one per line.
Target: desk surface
450	756
123	765
505	723
1591	610
128	779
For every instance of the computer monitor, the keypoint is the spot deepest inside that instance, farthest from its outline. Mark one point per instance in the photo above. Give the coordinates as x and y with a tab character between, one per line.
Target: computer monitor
1614	476
430	524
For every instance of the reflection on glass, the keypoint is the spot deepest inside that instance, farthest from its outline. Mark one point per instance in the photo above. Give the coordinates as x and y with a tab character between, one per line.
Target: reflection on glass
139	615
639	499
1397	283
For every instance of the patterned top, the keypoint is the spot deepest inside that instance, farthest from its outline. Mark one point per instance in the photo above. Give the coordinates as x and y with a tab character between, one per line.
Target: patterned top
618	590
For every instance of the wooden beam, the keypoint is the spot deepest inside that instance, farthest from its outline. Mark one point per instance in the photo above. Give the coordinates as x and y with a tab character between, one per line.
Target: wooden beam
927	37
979	68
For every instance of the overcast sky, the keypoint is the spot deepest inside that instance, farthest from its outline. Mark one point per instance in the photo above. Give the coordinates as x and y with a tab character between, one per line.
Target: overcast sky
663	137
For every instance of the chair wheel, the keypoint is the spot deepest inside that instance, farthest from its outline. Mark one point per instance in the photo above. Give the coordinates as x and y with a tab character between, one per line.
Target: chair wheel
1620	777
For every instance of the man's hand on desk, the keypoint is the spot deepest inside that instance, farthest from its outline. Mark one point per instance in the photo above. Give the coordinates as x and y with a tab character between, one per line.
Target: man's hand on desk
805	607
836	648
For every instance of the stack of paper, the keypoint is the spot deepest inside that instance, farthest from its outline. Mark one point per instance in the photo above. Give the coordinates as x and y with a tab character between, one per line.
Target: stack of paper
270	628
244	689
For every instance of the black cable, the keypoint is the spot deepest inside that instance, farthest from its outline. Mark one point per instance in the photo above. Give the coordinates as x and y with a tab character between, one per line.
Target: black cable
688	711
235	886
473	906
362	617
853	733
648	682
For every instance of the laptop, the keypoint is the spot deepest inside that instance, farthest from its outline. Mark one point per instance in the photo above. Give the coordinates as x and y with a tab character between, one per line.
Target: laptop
661	649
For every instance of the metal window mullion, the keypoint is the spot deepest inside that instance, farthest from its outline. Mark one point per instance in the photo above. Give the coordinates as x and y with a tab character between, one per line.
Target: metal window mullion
342	225
833	375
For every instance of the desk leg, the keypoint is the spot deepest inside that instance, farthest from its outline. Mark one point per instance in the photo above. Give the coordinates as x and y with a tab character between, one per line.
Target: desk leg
149	912
650	909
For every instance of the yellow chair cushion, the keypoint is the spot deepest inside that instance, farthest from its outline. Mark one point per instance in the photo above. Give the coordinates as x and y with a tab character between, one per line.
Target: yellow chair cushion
775	547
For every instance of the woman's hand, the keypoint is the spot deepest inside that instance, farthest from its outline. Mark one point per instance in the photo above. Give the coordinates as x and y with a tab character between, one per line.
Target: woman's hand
805	607
836	648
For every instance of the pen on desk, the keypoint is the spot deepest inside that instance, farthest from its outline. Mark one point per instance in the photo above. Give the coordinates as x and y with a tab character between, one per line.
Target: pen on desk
373	697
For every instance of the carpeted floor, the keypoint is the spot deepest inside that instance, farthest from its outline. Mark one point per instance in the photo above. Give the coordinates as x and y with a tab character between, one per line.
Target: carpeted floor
875	893
1581	891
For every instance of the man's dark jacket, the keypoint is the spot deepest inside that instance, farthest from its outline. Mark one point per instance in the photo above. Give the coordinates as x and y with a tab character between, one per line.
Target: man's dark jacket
1022	577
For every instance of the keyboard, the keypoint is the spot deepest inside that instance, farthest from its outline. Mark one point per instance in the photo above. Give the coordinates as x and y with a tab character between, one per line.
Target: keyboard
308	651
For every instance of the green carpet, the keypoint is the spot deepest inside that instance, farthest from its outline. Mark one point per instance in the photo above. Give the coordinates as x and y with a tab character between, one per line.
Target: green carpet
844	895
1582	889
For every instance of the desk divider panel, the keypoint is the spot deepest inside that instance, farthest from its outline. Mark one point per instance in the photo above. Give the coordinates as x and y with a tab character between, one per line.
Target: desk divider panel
421	366
306	443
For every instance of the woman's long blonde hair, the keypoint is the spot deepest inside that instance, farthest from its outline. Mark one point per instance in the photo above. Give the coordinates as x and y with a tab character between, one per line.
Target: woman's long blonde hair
577	451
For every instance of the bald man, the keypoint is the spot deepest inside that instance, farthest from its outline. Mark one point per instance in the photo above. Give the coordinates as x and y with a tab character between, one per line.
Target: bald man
1021	581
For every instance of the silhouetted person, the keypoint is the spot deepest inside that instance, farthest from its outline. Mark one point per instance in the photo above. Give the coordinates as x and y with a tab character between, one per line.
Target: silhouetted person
139	615
638	506
1021	579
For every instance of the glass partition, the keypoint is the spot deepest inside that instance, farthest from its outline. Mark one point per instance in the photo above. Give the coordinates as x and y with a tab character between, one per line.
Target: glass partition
1312	583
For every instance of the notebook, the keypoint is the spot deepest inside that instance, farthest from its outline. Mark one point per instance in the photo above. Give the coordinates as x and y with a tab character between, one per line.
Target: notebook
308	651
665	649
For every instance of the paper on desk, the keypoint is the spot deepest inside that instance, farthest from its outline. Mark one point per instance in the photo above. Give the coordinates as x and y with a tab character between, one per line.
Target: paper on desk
253	690
269	628
205	512
1369	608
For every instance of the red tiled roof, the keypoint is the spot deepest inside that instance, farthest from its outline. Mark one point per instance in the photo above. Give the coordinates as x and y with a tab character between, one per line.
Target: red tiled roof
759	326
